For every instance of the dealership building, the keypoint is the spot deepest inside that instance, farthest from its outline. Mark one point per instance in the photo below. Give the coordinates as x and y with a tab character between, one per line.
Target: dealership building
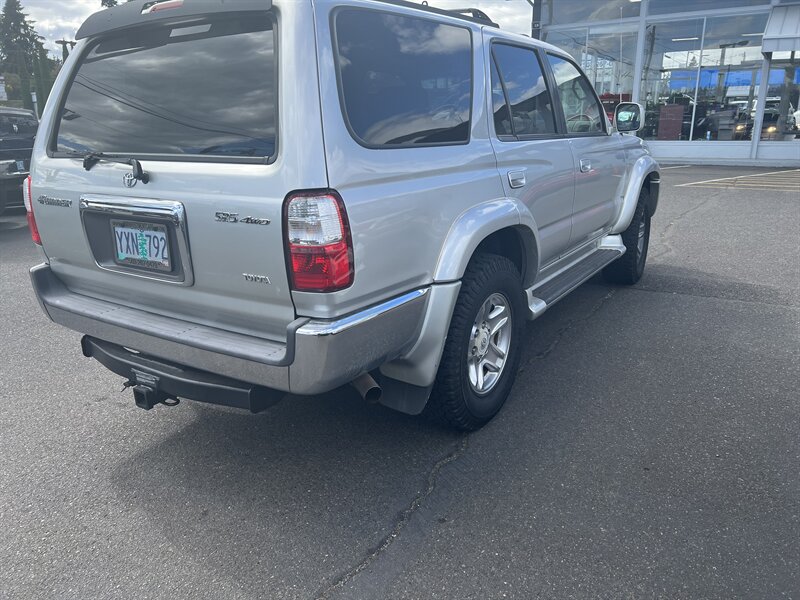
719	79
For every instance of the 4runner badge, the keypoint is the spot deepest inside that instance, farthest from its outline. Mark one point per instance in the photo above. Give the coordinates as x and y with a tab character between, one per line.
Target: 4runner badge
50	201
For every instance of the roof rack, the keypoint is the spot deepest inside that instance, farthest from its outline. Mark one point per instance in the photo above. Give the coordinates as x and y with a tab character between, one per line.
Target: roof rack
475	15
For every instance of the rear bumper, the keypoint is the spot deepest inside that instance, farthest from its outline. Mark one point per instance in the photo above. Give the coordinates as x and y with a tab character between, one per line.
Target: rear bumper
318	355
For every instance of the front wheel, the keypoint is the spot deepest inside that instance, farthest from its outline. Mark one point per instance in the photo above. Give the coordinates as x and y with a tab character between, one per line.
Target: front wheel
481	354
629	268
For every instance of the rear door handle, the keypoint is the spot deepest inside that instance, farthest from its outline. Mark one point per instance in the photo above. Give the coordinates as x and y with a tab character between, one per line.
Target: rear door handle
586	165
516	179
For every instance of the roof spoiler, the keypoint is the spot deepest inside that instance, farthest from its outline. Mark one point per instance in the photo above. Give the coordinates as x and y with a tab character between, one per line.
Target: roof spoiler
140	12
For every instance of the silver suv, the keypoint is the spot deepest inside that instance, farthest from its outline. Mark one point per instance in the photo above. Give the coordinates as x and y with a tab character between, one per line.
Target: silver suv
236	200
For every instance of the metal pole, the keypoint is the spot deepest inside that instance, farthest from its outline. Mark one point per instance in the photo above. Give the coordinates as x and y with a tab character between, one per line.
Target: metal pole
758	122
536	10
638	60
697	80
35	103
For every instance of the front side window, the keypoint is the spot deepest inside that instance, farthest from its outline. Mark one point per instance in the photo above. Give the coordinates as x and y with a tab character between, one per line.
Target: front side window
525	89
582	111
205	89
404	81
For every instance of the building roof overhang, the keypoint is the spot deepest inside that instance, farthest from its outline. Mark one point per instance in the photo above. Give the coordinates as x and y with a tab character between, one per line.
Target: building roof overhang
783	29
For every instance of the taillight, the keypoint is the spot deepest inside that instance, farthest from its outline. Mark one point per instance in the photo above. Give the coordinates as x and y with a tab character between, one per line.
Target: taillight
27	195
319	242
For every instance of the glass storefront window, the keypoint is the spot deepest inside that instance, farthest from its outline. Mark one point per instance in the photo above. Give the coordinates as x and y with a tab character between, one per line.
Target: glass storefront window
700	73
781	112
606	54
669	80
562	12
729	70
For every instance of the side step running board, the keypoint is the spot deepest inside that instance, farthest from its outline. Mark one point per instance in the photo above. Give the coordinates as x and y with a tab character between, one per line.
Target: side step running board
543	295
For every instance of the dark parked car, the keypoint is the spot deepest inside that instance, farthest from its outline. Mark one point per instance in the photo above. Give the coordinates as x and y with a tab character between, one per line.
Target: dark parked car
17	132
772	127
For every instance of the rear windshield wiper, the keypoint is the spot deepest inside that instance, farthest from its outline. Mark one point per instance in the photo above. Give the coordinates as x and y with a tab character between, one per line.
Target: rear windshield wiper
90	159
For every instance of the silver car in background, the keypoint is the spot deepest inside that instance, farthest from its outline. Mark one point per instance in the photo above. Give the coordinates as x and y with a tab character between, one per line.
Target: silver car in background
236	200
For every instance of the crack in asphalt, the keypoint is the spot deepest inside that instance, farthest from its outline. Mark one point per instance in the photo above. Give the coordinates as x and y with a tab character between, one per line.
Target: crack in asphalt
664	235
404	517
570	324
400	522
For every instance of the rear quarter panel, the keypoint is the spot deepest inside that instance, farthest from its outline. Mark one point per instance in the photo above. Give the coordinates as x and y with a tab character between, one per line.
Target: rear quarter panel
401	202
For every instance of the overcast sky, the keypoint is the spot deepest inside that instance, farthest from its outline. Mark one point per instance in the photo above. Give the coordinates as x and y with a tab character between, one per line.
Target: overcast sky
59	19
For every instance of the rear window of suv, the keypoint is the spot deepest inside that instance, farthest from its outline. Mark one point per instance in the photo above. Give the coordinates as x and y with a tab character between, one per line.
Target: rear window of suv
404	81
205	89
17	123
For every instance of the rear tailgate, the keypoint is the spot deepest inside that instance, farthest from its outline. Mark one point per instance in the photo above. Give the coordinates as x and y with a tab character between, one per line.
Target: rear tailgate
196	103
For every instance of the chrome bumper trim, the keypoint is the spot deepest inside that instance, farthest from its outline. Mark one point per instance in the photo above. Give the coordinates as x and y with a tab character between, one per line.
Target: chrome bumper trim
323	328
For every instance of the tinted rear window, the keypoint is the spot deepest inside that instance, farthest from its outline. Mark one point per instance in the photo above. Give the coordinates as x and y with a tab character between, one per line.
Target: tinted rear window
208	89
404	80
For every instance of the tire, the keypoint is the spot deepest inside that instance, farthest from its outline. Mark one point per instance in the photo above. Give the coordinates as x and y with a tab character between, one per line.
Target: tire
461	398
629	269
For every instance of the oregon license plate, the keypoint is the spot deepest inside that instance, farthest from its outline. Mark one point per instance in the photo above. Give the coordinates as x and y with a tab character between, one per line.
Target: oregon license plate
141	245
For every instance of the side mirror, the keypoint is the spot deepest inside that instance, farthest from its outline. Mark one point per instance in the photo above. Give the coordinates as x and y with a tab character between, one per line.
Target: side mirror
628	116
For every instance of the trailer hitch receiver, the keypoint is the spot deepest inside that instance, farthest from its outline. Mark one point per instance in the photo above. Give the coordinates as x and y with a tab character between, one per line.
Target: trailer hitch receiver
146	393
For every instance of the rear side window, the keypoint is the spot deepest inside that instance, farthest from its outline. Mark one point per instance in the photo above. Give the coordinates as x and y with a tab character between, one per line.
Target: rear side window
526	93
502	117
582	109
205	89
404	81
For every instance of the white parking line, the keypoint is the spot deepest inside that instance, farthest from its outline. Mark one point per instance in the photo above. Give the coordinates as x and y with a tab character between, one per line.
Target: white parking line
737	177
676	167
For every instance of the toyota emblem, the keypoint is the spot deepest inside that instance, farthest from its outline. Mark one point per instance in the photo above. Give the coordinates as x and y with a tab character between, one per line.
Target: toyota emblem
129	180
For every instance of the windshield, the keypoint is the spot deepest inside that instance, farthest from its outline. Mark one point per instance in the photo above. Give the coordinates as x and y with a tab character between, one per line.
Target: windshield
200	89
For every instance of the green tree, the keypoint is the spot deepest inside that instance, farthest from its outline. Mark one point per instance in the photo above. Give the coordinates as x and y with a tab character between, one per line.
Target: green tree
22	53
109	3
19	42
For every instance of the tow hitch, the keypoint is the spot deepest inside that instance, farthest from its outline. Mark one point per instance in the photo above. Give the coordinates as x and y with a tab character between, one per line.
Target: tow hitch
145	391
157	381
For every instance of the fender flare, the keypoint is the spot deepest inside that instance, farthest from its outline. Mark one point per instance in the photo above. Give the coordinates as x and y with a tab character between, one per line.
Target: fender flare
419	365
639	173
476	224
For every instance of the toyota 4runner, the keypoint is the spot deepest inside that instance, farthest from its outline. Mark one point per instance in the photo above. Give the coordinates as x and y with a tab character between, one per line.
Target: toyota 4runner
236	200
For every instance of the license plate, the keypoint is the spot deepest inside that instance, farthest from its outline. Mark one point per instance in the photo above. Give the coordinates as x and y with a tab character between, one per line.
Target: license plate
141	245
20	165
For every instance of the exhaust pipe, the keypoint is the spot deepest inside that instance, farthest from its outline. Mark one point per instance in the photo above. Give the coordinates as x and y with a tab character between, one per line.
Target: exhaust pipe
367	387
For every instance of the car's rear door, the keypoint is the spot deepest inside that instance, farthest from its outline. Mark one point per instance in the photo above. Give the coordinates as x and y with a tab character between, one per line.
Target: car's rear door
533	156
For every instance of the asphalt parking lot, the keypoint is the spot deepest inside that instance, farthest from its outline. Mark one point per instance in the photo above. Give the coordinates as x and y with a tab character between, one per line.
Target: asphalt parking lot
650	448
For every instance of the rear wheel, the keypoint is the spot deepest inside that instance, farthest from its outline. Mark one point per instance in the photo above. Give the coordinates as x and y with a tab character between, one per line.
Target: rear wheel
481	354
629	269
